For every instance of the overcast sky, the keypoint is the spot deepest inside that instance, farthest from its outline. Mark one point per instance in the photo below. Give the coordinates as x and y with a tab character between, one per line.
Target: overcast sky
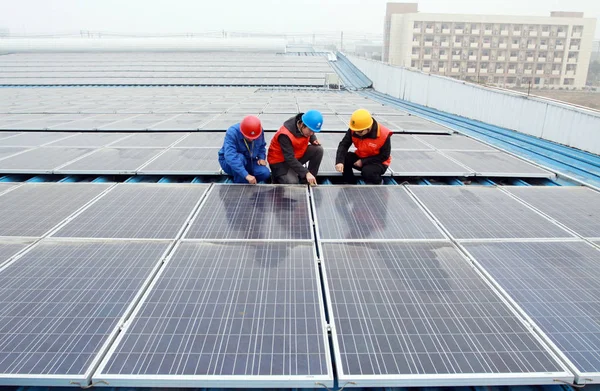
277	16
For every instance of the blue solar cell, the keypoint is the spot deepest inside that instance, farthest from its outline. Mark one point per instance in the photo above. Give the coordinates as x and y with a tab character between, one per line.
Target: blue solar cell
556	284
60	302
253	212
418	313
245	309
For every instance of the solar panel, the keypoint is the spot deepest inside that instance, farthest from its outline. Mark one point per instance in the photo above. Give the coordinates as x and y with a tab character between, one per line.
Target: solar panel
34	139
41	160
185	161
185	122
478	212
5	186
227	315
152	140
89	140
9	151
425	163
408	142
202	140
556	284
138	122
578	208
371	212
454	142
498	164
411	124
418	314
61	301
150	211
10	247
95	122
33	209
111	161
253	212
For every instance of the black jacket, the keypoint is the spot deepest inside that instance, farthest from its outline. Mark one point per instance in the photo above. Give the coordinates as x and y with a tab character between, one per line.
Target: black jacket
384	152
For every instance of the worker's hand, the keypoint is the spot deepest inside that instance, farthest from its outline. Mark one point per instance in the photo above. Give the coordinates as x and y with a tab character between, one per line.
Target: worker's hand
316	142
251	179
358	163
310	178
262	162
339	167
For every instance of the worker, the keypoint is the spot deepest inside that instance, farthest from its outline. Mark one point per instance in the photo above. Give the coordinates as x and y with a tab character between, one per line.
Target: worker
373	147
295	144
243	152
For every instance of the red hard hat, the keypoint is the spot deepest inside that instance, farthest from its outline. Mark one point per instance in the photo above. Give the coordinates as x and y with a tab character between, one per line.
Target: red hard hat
251	127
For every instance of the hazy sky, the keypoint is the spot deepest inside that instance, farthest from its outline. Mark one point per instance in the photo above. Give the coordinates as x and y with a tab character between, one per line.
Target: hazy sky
180	16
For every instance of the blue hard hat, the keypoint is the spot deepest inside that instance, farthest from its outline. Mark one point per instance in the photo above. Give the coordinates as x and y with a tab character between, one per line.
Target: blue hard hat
313	119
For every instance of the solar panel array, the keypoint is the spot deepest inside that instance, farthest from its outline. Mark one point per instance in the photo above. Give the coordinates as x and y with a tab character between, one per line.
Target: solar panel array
175	108
163	68
406	307
196	154
237	301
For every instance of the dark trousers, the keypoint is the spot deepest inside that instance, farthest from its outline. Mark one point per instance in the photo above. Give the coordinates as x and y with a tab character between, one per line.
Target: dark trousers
371	173
283	173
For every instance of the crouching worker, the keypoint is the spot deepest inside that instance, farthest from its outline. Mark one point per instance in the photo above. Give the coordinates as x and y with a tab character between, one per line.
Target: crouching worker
373	147
295	144
244	152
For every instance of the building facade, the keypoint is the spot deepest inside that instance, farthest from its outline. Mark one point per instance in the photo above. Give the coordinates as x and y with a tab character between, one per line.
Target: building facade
507	51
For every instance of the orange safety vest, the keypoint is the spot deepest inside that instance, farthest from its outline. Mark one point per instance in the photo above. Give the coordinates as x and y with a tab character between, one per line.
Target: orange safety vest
275	154
366	147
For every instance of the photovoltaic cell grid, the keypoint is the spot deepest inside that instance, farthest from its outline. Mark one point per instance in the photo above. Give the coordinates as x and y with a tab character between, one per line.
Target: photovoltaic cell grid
365	212
556	284
236	309
60	302
253	212
149	211
578	208
34	209
484	212
407	312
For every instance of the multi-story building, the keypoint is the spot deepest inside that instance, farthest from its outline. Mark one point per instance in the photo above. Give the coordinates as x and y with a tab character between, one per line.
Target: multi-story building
509	51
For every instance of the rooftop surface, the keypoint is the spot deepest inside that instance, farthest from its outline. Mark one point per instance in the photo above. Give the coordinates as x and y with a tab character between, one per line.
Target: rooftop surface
128	260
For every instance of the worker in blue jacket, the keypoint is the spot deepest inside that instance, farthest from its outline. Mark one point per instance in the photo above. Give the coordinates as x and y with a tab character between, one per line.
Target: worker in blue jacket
244	152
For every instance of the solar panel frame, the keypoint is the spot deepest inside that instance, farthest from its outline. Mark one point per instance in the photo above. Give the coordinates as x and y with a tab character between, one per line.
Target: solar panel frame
9	247
85	374
525	281
238	381
429	379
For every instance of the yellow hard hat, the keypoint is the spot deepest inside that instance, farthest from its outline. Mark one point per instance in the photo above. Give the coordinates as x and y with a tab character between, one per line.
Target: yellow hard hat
361	119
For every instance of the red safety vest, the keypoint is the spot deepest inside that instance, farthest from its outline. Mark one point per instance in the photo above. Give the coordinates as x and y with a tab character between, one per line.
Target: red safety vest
275	154
367	146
